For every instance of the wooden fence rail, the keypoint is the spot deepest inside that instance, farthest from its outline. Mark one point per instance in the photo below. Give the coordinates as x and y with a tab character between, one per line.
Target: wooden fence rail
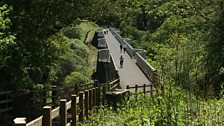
158	90
81	106
5	102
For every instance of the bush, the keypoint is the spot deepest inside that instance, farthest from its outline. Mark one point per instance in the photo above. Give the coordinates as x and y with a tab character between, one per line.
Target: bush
177	108
131	32
72	32
75	78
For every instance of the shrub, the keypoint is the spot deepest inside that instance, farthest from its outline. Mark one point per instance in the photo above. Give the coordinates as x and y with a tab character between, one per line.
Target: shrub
72	32
75	78
177	108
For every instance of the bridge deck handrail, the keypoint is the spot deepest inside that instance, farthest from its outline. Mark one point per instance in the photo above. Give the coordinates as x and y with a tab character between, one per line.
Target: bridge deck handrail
115	74
145	66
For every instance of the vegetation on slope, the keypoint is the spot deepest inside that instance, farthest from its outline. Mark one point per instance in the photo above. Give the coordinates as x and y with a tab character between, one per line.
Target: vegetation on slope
78	61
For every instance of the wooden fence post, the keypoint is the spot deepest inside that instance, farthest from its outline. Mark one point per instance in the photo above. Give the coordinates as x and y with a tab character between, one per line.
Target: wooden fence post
96	83
87	104
19	122
136	88
47	116
76	89
54	95
94	97
63	112
74	110
127	87
90	99
104	93
108	87
144	90
98	96
157	90
151	90
162	89
44	99
81	114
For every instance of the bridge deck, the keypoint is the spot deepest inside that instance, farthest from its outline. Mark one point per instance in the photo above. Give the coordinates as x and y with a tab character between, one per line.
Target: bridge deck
130	74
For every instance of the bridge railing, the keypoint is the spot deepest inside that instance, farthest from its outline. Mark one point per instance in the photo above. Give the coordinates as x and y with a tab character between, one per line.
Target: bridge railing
129	49
148	70
113	71
145	66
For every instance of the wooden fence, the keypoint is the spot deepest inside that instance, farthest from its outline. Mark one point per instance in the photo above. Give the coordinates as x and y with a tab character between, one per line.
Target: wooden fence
153	90
5	102
81	105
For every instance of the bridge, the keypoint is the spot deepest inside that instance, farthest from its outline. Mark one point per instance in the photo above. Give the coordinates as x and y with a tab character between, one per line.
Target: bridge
135	71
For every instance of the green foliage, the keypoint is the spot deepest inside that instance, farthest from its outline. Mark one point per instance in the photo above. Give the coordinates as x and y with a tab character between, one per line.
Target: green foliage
6	38
86	26
33	57
72	60
177	108
72	32
72	64
75	78
7	43
183	39
131	32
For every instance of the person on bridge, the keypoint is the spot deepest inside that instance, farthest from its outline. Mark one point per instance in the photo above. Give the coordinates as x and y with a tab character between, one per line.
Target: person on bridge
121	47
124	47
121	61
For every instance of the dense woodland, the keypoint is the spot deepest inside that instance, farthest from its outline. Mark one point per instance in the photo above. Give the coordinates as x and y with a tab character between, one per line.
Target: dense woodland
41	43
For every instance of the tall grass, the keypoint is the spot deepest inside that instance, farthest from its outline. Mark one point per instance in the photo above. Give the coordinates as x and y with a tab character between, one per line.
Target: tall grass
176	108
86	26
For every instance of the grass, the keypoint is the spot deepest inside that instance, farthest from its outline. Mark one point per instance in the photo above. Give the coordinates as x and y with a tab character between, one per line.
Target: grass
178	108
86	26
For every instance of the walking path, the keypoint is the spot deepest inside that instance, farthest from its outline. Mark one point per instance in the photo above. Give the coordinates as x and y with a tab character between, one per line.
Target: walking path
130	74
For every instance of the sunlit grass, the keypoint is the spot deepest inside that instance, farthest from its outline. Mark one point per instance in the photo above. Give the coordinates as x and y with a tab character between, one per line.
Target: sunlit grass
177	108
86	26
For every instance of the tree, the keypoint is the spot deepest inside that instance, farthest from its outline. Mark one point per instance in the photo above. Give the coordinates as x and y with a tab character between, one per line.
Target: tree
7	45
184	39
33	55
